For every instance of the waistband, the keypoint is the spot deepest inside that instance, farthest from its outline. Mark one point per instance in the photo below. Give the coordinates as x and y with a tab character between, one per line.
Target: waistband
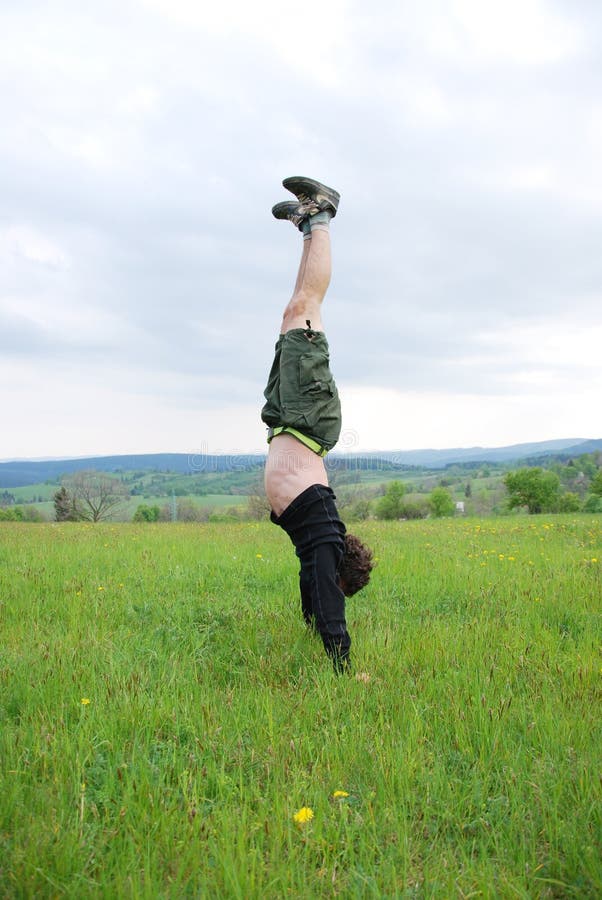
303	438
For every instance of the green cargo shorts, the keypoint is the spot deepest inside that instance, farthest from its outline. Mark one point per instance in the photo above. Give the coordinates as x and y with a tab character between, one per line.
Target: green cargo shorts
301	393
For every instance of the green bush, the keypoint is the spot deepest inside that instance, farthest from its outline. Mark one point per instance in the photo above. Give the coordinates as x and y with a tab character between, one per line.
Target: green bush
568	503
145	513
441	503
389	506
593	504
414	510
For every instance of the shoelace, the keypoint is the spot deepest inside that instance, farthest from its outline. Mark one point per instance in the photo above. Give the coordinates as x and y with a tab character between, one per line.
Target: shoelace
306	208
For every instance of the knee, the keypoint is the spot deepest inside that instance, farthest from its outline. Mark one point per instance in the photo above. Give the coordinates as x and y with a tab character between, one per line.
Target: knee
299	310
296	308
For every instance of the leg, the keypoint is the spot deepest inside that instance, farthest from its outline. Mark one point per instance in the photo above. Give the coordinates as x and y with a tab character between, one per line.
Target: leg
312	283
316	205
312	280
302	266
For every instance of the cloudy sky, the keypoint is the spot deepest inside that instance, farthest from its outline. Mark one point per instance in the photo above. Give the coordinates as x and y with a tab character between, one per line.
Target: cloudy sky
142	276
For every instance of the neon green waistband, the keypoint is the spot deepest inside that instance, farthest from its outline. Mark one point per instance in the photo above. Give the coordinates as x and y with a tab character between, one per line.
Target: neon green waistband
309	442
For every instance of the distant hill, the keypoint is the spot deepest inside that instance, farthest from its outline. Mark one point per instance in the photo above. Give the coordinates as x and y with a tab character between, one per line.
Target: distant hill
23	472
438	459
20	473
583	447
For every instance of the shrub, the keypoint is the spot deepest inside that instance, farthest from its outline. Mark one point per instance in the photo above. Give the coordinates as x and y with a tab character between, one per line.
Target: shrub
593	504
146	513
441	503
414	510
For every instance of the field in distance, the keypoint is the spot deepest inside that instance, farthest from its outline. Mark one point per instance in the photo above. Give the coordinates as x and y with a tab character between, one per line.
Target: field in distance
230	491
164	714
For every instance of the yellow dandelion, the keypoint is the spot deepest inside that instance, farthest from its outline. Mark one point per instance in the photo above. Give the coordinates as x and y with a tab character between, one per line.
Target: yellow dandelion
85	701
258	556
594	559
340	794
101	588
303	816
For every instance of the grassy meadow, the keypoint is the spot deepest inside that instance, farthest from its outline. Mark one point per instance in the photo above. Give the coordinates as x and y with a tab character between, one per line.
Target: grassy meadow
164	715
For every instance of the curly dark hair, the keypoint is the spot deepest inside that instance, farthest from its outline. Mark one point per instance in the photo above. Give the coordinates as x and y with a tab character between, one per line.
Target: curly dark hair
355	568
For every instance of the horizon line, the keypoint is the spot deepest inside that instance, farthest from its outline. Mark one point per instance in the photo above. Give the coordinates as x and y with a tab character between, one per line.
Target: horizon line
337	451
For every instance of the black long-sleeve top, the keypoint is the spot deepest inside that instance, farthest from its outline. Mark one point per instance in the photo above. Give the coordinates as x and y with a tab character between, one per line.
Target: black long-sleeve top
312	522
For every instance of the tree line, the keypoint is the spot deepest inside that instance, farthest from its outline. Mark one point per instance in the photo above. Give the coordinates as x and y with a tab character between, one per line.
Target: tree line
572	486
539	491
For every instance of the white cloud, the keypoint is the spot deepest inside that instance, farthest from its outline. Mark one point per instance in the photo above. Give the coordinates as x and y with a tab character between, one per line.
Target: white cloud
523	32
565	343
143	277
376	418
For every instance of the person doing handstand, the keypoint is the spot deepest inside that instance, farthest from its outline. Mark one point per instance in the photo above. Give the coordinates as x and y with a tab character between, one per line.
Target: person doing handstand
303	415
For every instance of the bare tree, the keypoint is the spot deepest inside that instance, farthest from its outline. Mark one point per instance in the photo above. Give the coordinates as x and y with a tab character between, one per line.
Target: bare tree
95	495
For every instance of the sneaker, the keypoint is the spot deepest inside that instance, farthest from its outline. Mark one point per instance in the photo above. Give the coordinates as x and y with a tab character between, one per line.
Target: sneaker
306	189
295	212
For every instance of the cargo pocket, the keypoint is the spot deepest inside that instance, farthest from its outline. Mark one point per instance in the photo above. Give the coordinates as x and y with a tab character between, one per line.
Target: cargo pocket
315	378
316	389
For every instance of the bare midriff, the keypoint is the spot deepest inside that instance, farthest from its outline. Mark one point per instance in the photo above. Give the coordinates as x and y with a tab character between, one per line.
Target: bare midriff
291	467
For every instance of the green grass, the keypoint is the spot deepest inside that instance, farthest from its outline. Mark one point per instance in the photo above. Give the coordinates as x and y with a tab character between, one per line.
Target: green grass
470	754
30	492
219	502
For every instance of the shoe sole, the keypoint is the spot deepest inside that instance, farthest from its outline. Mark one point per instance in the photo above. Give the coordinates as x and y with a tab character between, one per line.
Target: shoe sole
324	196
283	211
